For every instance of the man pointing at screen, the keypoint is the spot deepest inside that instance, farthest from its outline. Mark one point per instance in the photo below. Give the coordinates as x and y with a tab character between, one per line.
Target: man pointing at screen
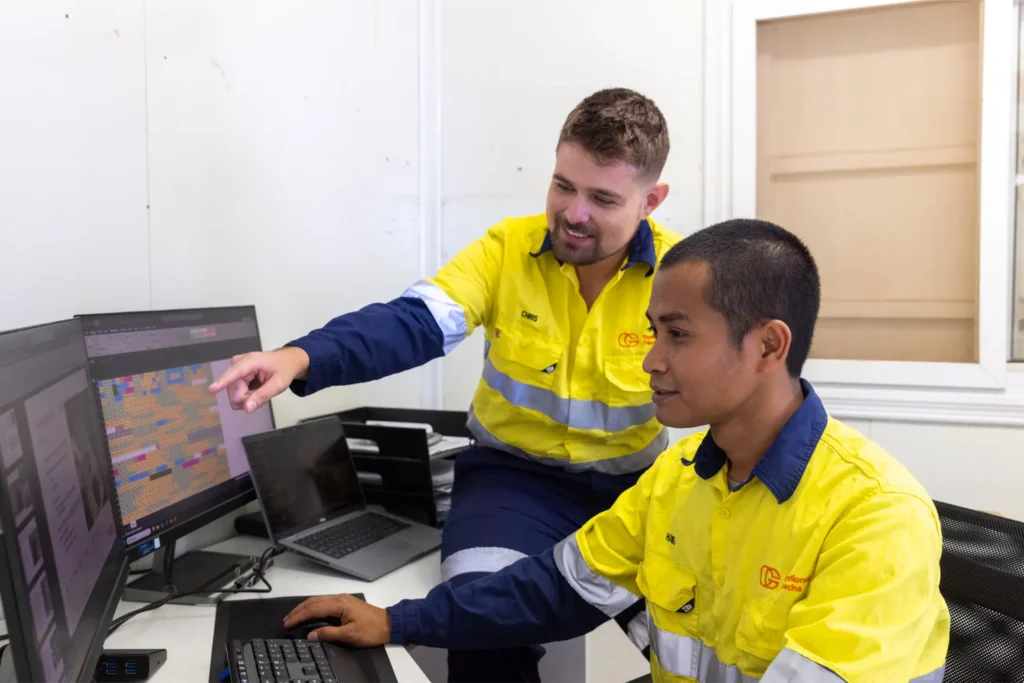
562	416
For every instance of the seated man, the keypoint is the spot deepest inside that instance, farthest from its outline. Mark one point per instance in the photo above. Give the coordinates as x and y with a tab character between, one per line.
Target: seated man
780	545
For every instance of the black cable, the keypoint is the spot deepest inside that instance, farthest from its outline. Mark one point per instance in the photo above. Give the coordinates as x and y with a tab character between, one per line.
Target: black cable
5	637
257	574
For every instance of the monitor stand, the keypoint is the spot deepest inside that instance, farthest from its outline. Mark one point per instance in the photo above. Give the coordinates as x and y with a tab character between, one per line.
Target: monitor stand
196	570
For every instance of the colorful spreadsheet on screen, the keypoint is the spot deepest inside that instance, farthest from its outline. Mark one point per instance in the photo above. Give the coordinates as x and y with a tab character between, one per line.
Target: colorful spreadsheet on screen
165	436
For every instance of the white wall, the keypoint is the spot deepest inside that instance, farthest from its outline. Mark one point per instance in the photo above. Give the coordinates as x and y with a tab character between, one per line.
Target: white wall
73	222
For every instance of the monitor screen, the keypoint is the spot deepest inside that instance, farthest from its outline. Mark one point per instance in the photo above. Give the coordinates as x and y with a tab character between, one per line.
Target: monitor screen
304	474
65	567
176	448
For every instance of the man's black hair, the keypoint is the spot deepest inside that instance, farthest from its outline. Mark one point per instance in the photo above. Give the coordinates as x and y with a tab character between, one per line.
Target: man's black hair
757	272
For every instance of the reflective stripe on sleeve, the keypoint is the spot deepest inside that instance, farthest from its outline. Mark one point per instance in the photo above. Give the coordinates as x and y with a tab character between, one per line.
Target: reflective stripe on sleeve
473	560
448	315
606	595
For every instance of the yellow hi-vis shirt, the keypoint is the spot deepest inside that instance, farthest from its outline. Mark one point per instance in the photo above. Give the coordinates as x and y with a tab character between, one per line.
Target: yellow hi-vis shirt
823	567
561	385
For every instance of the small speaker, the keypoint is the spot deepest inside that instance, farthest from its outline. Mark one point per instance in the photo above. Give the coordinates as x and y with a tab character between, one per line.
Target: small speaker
129	665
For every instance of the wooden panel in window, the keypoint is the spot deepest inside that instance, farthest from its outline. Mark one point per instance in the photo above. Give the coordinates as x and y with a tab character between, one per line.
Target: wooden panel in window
868	143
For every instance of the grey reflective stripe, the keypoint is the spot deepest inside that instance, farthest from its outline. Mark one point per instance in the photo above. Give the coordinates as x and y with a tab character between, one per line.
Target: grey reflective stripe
686	656
578	414
472	560
623	464
448	315
606	595
932	677
636	631
792	667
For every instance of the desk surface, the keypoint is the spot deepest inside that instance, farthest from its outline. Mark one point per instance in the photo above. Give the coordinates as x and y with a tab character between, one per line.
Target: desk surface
186	631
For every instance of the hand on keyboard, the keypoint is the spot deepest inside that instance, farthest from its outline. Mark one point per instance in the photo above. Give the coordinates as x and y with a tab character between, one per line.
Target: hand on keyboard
362	624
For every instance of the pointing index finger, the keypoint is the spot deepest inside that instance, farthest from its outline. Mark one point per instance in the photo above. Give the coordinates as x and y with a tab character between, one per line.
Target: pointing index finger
235	372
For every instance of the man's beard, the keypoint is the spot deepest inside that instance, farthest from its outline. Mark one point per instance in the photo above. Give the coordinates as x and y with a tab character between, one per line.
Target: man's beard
571	251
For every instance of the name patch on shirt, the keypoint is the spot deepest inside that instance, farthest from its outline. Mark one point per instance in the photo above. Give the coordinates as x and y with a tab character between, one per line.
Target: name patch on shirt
688	607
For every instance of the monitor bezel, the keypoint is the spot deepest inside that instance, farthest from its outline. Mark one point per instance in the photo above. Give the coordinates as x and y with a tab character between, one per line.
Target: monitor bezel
216	511
21	643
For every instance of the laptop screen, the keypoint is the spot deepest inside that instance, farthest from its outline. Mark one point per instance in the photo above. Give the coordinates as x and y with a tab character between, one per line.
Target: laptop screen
303	474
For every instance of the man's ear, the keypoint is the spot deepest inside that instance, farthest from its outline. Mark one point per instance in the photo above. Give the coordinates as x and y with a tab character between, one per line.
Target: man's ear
774	339
655	196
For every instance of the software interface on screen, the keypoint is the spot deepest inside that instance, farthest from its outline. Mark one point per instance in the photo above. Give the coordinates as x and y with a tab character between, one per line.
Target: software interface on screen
56	475
176	448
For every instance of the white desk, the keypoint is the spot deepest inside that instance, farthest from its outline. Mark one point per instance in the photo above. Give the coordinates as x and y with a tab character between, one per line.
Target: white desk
186	631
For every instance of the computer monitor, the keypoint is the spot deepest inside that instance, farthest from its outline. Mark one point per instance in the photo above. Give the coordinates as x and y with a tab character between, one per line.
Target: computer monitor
178	460
62	565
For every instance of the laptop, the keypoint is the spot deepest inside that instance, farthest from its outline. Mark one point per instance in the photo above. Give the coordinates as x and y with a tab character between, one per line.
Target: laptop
313	505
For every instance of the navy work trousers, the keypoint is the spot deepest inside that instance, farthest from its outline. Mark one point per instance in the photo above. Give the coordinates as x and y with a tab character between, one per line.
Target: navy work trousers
505	508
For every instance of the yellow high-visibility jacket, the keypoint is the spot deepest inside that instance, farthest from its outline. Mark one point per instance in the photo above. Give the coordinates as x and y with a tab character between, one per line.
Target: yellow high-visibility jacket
822	567
561	385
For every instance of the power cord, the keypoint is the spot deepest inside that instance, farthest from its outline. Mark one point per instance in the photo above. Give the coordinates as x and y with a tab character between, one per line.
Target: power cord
256	575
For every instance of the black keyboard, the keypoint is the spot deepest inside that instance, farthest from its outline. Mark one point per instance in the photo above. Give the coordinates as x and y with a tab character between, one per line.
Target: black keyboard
351	535
272	661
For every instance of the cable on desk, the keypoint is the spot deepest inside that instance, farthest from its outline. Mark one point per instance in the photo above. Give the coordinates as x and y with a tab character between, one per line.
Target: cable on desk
257	574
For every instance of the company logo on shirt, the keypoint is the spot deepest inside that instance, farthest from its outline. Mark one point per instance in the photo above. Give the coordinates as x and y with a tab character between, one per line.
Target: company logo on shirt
772	579
628	340
529	316
670	538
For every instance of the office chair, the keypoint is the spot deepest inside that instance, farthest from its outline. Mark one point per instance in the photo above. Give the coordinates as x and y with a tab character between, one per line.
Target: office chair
983	584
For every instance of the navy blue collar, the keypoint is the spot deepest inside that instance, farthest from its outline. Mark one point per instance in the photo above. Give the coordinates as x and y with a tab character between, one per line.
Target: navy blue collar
782	467
641	248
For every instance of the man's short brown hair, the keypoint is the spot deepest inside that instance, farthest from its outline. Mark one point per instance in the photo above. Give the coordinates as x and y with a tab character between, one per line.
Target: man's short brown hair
620	125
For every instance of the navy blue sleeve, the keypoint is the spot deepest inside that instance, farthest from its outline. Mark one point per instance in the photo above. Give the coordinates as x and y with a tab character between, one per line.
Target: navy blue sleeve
368	344
526	603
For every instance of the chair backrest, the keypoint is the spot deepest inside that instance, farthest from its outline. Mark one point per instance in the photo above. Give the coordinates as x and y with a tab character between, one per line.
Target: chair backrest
983	584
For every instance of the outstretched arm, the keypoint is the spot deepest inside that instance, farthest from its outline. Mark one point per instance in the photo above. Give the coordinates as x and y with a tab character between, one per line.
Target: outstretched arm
560	594
429	320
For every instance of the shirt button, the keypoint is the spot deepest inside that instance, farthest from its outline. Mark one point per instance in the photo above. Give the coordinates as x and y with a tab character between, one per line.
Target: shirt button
724	512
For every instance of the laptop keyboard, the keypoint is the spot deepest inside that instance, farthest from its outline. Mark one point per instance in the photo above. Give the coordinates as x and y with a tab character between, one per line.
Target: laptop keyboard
271	661
349	536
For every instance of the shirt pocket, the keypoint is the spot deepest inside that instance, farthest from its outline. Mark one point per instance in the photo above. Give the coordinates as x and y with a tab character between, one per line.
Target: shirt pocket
671	589
626	383
520	360
762	628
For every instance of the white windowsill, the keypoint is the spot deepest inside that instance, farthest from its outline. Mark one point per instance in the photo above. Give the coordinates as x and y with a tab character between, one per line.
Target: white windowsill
988	408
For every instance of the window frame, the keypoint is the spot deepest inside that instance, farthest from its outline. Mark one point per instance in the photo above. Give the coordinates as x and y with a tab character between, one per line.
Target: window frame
990	392
995	171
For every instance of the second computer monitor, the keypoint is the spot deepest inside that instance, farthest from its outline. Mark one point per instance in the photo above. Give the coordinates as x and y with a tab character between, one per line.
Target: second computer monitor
62	568
176	448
